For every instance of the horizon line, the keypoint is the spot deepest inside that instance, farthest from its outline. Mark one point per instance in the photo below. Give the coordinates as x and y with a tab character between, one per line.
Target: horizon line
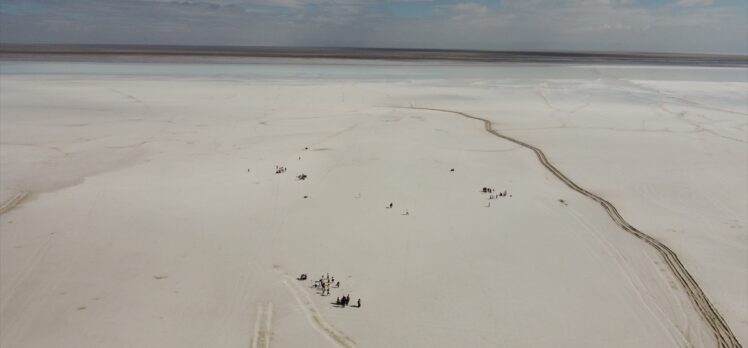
19	50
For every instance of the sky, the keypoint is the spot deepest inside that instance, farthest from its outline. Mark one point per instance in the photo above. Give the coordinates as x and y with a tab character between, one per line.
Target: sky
705	26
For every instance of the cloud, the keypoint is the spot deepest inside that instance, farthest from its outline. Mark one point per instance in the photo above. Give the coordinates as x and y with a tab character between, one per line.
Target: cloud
465	10
689	3
599	25
469	7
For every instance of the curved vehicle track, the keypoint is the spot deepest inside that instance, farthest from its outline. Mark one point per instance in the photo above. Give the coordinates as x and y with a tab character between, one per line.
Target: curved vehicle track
11	203
722	333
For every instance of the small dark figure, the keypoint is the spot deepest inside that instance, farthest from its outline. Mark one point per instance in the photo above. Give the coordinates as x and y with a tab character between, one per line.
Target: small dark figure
452	170
390	205
337	302
306	148
337	285
306	196
359	303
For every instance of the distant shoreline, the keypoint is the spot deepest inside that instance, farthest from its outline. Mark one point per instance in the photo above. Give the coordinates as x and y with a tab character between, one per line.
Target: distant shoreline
142	53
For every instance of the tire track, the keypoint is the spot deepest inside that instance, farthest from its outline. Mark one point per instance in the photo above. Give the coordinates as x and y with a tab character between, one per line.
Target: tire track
722	333
14	201
261	338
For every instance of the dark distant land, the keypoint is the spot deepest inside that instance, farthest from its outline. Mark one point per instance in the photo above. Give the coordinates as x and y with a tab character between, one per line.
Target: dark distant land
134	53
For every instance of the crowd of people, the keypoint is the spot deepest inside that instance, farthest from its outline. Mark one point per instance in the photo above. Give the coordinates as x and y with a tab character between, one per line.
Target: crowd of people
325	284
492	196
280	169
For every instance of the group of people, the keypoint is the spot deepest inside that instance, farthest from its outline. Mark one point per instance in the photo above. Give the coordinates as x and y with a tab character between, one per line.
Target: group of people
345	300
301	176
325	283
279	169
490	190
501	194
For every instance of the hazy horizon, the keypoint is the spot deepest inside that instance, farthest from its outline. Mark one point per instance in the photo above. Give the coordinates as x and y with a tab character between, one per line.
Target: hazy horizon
372	48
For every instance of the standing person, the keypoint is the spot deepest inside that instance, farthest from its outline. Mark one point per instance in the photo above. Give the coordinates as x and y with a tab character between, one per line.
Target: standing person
337	301
359	303
390	205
